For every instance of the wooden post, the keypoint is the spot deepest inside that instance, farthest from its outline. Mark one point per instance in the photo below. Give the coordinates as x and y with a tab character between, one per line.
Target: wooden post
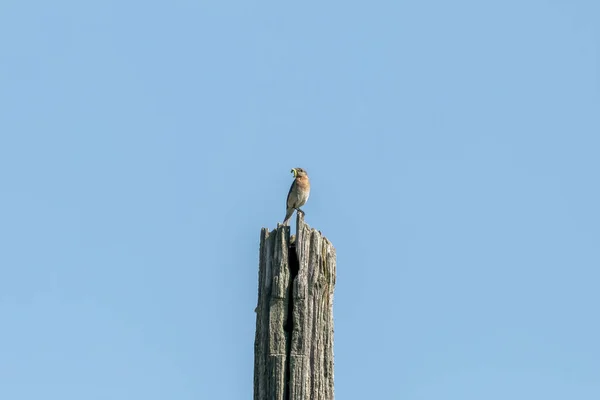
293	346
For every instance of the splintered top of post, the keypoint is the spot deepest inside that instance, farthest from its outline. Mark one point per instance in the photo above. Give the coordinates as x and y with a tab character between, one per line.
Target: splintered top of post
293	349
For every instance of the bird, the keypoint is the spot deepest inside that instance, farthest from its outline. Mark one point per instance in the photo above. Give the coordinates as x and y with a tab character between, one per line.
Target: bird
298	194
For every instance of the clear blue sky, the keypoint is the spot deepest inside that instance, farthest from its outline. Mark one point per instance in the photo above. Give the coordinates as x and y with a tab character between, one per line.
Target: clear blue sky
453	149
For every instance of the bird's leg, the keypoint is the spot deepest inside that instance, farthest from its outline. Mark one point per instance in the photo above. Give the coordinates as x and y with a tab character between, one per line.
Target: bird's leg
300	211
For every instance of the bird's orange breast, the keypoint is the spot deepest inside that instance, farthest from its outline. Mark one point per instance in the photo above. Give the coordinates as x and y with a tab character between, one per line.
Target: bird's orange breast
303	183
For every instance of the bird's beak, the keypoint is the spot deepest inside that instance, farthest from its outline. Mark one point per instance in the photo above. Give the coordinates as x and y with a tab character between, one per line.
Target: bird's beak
293	171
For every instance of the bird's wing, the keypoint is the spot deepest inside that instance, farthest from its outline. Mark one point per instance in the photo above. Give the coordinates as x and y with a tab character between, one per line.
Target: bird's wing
287	203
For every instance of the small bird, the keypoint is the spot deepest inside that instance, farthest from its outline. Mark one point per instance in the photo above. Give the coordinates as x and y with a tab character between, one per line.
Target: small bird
298	194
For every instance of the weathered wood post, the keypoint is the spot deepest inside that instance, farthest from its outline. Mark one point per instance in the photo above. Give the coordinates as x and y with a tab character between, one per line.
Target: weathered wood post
293	346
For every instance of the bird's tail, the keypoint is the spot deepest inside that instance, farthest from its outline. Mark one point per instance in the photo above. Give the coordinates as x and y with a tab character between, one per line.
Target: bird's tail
288	215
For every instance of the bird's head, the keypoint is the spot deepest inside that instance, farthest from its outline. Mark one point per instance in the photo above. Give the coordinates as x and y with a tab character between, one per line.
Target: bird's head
298	172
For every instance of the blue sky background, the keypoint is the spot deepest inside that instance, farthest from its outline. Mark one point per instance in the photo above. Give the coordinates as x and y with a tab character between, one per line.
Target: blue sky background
453	153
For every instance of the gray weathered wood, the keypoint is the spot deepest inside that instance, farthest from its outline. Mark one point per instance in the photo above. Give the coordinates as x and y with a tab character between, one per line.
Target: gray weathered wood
293	346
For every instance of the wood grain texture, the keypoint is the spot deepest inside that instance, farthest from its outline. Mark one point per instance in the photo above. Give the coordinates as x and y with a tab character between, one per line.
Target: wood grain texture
293	347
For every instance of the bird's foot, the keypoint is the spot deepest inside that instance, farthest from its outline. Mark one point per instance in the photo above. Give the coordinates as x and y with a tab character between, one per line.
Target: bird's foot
300	211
